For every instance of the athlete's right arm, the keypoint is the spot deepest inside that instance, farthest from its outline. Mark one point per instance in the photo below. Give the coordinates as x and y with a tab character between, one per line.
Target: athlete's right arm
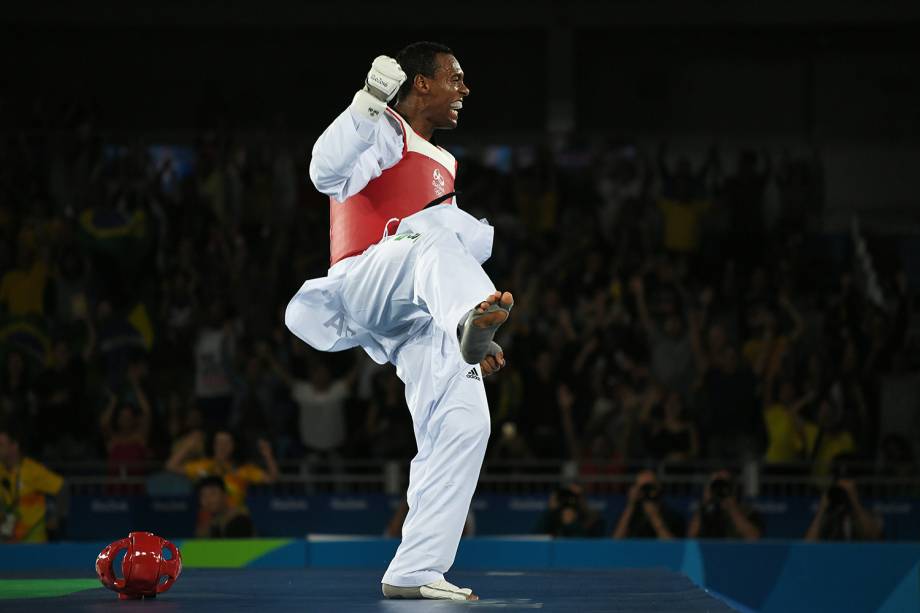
360	144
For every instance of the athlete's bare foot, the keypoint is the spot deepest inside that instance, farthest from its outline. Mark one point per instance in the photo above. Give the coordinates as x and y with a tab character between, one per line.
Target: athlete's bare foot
498	317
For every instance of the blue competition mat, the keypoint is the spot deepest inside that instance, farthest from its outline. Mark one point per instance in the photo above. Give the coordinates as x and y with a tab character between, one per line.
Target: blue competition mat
347	591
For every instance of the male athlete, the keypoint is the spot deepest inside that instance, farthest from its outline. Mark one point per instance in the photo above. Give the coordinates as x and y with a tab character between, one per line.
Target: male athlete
406	284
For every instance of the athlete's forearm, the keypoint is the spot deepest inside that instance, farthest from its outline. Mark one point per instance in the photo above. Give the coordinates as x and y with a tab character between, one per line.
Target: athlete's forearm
352	151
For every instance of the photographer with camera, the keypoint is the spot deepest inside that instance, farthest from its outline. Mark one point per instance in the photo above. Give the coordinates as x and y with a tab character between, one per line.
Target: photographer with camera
842	517
568	515
722	515
646	515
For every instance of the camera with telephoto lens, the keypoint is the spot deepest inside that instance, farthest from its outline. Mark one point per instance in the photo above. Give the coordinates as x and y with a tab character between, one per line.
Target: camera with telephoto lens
721	489
837	498
567	498
649	491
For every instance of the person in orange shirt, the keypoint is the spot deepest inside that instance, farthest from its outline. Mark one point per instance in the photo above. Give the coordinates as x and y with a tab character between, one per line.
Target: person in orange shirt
237	477
24	484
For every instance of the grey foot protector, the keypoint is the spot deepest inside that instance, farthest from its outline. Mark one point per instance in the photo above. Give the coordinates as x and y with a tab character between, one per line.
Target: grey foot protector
391	591
476	343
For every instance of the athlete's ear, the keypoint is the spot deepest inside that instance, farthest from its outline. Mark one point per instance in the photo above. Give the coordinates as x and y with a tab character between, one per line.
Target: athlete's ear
420	83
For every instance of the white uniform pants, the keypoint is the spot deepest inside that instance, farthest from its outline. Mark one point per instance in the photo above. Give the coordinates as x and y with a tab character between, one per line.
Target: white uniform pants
410	292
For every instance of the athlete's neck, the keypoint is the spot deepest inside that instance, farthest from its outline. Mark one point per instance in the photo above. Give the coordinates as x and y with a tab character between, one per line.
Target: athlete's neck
411	111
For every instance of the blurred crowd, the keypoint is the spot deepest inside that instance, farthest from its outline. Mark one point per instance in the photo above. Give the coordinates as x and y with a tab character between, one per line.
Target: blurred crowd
670	308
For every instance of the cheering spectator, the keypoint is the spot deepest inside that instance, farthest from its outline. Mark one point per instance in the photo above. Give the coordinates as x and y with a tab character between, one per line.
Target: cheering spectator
670	346
833	437
24	484
126	431
646	515
321	401
22	290
790	437
222	463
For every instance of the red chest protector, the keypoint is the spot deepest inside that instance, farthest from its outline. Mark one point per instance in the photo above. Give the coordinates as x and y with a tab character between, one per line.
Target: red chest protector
424	173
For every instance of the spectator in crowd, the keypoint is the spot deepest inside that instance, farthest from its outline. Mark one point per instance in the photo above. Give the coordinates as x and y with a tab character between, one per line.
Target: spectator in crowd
126	428
22	289
213	241
671	438
731	419
842	516
790	436
646	515
569	516
214	351
24	486
321	401
65	423
218	517
833	438
388	424
18	396
683	200
722	515
671	352
223	463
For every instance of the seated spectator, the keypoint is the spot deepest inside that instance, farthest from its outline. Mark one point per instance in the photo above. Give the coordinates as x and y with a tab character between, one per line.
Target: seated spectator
646	515
222	463
218	517
673	438
841	516
722	515
24	484
569	516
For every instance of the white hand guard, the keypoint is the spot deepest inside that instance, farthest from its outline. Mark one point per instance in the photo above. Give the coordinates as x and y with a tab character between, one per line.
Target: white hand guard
384	78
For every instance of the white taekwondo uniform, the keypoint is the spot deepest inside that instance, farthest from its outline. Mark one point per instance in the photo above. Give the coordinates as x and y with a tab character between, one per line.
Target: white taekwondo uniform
401	297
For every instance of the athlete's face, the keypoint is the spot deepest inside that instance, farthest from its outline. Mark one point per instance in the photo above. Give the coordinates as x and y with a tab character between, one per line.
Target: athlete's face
447	91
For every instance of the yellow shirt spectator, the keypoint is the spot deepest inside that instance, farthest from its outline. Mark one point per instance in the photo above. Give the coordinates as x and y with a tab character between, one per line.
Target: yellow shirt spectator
832	445
22	495
23	291
236	478
788	441
682	224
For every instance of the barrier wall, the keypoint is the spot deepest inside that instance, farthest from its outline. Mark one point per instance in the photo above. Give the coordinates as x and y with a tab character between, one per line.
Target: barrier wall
103	517
767	576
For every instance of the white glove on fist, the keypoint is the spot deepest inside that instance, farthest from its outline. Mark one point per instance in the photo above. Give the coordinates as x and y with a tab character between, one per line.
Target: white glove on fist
384	78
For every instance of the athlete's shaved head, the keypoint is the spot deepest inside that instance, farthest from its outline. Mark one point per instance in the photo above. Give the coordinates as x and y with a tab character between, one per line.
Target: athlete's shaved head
419	58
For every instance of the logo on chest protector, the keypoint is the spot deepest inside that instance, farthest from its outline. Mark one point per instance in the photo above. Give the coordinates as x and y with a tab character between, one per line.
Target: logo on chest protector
473	375
437	181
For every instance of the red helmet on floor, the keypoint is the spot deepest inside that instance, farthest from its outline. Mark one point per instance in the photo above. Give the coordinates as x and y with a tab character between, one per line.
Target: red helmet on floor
150	567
